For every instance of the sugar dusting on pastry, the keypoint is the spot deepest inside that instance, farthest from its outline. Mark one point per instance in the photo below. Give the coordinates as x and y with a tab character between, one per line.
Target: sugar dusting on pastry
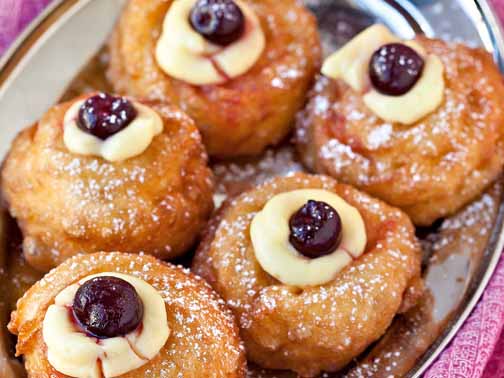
201	326
447	151
259	301
357	287
88	203
260	104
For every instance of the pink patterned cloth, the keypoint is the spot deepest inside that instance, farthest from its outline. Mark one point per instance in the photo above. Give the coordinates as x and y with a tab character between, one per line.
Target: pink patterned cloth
476	351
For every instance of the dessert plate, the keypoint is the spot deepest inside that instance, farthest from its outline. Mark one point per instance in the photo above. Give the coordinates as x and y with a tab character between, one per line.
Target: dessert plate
460	253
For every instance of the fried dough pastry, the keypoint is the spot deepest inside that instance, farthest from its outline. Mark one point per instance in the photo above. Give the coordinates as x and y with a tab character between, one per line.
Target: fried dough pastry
429	169
316	328
245	114
66	203
203	336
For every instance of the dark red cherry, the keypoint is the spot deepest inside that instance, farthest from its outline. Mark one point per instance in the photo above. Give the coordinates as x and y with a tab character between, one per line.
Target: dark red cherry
104	115
395	68
315	229
219	21
107	307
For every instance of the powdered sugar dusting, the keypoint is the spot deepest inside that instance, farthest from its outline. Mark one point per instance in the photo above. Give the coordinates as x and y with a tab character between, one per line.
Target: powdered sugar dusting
201	326
365	289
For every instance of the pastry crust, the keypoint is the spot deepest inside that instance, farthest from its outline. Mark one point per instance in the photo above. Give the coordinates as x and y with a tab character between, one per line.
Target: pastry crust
66	203
204	337
319	328
429	169
244	115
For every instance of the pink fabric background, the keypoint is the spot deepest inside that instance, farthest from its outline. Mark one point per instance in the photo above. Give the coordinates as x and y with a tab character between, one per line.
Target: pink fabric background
476	352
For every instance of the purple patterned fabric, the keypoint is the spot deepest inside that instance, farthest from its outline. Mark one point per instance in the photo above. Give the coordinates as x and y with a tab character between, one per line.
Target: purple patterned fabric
476	351
474	345
14	16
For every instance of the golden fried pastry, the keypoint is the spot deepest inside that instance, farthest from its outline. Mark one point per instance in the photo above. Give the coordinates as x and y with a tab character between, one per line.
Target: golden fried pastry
314	270
425	137
108	173
125	315
242	77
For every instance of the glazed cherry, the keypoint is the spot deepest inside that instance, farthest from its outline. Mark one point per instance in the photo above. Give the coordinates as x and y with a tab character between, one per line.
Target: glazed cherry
104	115
395	68
315	229
219	21
107	307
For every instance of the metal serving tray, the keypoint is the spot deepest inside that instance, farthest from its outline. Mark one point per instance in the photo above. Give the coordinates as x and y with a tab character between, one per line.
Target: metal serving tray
36	71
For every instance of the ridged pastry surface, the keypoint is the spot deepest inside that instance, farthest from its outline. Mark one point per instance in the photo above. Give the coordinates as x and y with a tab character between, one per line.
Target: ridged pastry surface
429	169
65	203
244	115
204	337
318	328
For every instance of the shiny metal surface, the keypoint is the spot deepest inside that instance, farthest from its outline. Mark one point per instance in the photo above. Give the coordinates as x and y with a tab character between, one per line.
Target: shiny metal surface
41	74
37	69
